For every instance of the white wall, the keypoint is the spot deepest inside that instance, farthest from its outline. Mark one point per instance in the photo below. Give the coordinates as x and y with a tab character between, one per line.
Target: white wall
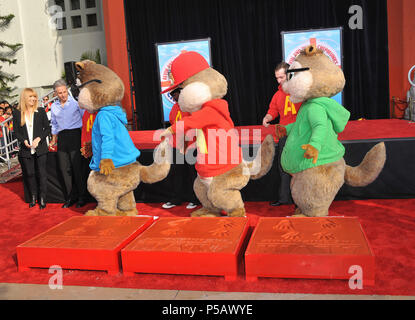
41	60
76	44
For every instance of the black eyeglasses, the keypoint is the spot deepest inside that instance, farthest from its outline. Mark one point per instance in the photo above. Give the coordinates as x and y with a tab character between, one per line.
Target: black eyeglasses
291	72
85	83
297	70
177	90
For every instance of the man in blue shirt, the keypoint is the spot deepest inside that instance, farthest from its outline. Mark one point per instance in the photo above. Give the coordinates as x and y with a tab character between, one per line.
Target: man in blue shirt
66	121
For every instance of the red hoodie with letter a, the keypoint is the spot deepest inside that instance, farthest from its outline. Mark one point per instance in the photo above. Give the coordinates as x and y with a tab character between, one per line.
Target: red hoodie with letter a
217	139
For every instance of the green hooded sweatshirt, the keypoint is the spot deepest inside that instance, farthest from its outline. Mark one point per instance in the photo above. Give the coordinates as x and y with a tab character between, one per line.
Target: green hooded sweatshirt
318	123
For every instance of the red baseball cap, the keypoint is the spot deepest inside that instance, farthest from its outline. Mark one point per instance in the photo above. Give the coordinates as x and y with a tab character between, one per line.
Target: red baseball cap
187	64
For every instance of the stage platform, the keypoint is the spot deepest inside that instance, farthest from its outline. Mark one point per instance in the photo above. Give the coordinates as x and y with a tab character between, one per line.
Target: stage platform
395	181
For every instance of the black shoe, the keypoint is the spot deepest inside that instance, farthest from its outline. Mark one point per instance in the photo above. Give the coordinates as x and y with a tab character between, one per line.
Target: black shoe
33	202
275	203
69	203
81	203
42	203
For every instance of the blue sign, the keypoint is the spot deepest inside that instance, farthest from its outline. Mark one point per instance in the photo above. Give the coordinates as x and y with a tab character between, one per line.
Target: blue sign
328	40
166	53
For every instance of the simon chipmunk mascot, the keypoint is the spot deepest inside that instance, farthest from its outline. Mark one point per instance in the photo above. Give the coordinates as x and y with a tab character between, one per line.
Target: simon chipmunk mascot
313	155
115	171
222	172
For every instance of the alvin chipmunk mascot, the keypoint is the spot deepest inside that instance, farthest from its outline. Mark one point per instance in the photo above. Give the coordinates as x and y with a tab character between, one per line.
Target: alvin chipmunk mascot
222	172
115	171
313	155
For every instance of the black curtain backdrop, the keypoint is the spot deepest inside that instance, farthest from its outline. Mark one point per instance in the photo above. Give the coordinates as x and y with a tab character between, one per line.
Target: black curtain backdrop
246	46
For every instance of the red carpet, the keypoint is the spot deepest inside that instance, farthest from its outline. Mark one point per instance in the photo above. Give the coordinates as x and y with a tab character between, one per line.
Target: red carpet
389	226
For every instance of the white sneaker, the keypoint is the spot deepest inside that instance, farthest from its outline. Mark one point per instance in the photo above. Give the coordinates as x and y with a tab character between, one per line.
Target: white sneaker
191	205
168	205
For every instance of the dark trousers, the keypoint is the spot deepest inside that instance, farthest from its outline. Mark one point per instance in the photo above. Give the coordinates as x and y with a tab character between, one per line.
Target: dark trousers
71	164
34	170
183	176
284	191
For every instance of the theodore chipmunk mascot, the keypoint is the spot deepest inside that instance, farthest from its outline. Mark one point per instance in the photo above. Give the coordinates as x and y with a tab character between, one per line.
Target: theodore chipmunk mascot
115	171
313	155
222	172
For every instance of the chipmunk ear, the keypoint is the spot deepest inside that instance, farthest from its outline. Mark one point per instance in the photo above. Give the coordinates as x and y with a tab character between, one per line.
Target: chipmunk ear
311	50
82	64
79	66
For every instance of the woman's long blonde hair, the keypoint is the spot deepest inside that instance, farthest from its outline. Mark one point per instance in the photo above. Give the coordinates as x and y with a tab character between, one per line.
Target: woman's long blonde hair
23	106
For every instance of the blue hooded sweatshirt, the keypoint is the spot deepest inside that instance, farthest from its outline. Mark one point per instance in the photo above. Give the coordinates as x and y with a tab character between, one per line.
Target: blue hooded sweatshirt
111	140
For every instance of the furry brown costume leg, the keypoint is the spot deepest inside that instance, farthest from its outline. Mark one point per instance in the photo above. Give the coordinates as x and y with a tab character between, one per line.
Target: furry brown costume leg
126	205
314	189
120	182
208	209
224	191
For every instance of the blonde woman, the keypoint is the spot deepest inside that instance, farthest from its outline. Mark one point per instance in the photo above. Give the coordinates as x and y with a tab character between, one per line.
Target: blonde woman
31	127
